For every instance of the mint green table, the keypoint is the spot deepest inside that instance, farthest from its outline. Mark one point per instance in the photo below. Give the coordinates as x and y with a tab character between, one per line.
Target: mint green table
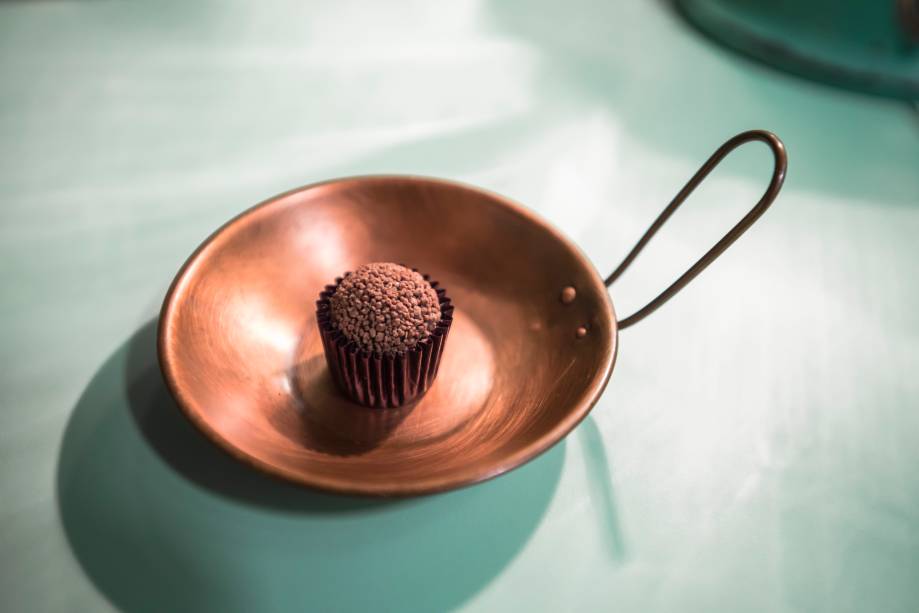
757	447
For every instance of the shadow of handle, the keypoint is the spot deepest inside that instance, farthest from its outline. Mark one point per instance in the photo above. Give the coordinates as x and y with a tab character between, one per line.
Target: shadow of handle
775	185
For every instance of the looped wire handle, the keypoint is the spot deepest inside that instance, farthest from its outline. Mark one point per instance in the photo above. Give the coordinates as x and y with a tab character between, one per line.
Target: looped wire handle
778	177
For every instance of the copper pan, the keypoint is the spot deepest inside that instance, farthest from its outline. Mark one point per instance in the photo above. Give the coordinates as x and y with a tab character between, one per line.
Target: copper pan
533	344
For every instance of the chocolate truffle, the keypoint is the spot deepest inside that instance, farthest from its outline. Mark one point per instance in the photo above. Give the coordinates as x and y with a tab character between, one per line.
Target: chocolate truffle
383	330
385	308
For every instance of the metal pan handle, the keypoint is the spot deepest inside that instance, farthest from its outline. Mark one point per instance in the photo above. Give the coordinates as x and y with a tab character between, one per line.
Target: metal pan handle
778	177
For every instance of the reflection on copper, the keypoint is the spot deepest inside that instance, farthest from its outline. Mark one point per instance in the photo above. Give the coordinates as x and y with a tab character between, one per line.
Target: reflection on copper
498	399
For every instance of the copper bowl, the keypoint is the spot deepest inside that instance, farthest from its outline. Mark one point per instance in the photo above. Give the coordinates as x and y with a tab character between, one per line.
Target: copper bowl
533	343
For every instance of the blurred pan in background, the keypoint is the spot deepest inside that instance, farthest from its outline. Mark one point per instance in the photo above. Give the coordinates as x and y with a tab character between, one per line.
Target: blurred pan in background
870	46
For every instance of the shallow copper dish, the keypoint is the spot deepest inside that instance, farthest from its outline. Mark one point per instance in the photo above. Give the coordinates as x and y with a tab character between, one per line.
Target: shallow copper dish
525	362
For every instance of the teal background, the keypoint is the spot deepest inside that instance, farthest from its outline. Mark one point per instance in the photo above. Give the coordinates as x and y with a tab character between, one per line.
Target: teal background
754	451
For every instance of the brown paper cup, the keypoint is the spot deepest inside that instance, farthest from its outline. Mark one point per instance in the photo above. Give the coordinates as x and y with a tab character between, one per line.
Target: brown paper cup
382	380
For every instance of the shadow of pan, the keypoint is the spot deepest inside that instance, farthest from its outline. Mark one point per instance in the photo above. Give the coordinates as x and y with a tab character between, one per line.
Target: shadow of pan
162	520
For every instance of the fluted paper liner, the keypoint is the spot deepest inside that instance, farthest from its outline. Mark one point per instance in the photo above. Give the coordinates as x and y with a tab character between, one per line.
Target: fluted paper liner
382	380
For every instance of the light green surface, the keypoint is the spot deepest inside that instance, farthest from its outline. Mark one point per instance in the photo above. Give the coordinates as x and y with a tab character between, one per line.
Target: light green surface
756	449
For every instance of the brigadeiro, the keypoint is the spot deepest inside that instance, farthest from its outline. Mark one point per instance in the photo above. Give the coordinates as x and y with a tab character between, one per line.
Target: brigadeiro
383	329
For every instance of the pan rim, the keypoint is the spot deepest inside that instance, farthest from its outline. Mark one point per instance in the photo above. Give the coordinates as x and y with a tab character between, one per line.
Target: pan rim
165	336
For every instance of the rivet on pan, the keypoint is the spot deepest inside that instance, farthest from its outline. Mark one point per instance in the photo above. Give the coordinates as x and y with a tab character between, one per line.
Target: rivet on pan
568	295
582	332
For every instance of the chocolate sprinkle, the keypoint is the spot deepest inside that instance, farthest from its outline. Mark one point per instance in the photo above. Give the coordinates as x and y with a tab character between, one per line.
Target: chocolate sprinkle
385	308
